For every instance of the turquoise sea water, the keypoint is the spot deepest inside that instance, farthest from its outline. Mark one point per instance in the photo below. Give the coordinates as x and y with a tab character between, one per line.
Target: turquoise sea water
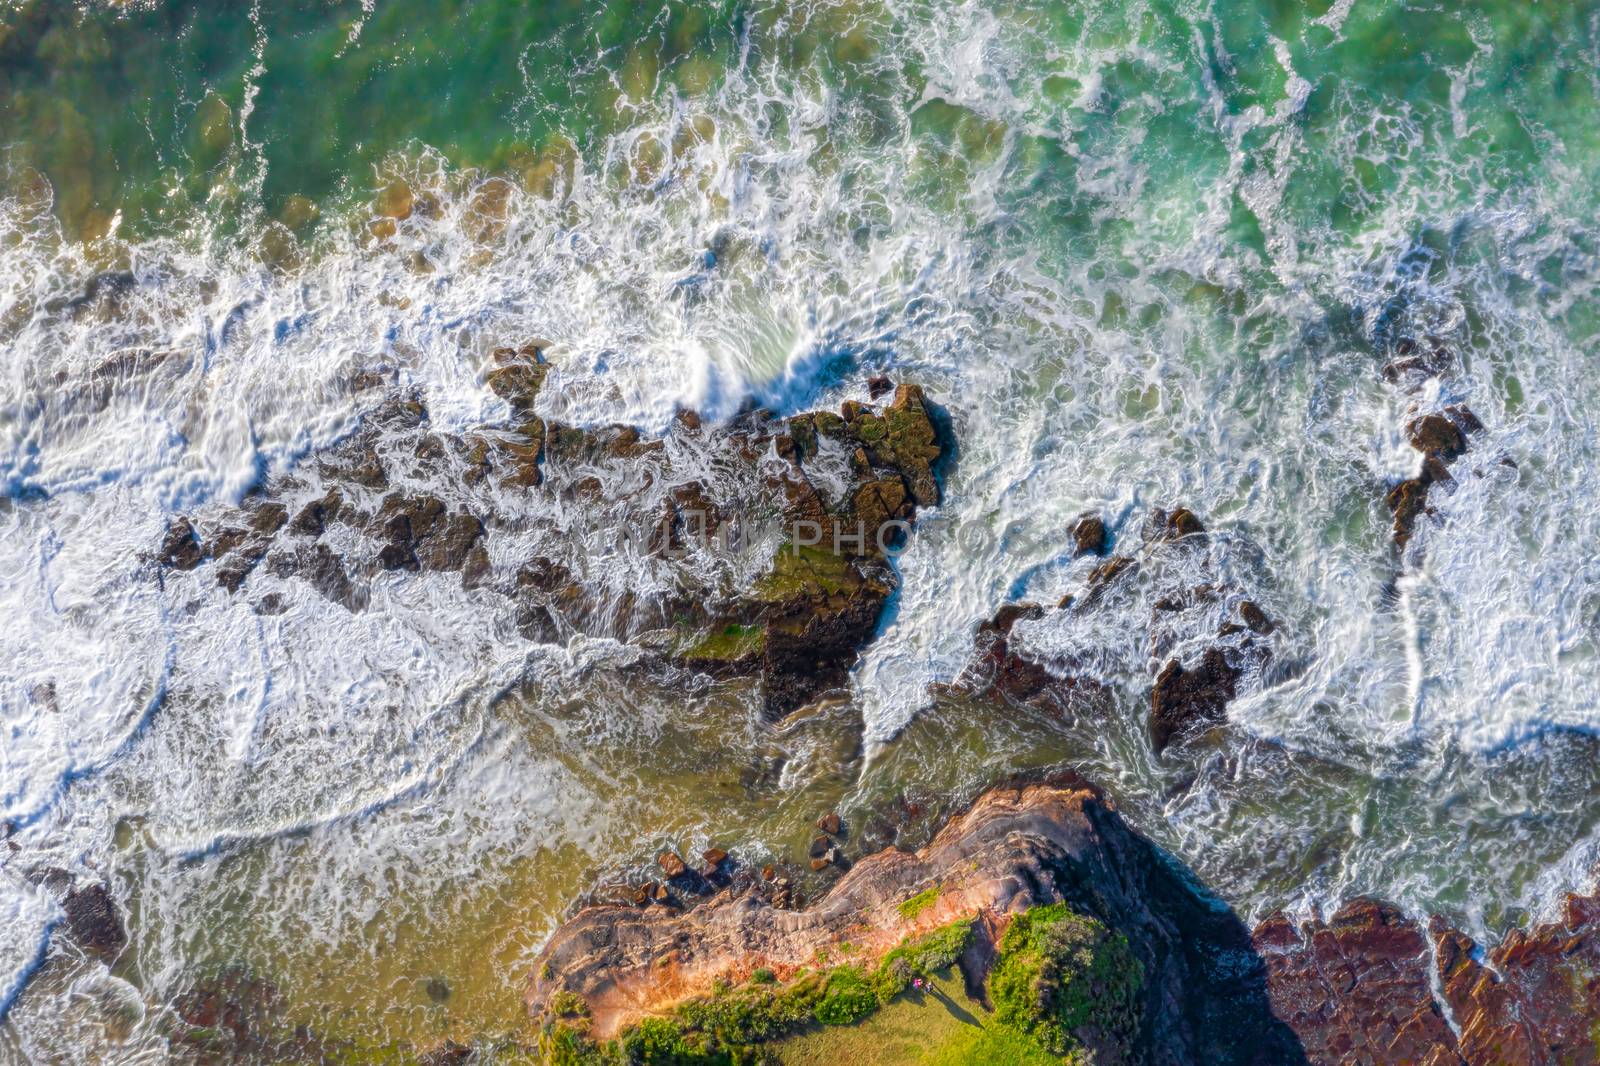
1142	253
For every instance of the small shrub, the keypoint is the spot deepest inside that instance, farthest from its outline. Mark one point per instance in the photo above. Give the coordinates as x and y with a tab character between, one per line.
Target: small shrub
568	1004
909	909
847	997
1066	980
763	976
562	1045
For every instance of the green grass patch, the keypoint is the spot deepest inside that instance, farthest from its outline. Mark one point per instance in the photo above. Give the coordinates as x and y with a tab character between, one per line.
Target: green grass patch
918	903
1067	981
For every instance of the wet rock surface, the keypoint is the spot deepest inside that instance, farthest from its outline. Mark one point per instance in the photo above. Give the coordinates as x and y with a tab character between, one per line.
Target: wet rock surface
757	549
1184	698
94	921
1441	435
1209	638
1372	985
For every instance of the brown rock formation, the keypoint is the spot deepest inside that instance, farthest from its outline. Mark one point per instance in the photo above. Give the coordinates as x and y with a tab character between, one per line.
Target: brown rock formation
1014	849
842	487
1361	987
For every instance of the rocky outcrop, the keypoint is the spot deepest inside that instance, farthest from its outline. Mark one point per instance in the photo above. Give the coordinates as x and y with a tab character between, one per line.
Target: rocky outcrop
655	542
1371	985
1209	638
1203	988
1441	435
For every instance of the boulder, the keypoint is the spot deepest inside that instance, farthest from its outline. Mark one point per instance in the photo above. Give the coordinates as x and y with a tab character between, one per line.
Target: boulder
180	547
1183	700
1436	434
1089	535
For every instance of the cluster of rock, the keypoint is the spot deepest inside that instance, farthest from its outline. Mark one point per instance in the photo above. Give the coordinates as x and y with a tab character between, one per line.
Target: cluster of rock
1441	433
820	500
1188	692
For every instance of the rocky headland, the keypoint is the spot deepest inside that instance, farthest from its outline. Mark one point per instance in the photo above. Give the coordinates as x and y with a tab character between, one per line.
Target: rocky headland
1159	970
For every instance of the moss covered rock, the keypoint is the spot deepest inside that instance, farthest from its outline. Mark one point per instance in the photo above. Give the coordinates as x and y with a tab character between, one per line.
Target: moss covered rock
1070	983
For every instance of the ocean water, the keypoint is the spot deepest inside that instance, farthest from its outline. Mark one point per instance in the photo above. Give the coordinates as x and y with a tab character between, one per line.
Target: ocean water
1141	253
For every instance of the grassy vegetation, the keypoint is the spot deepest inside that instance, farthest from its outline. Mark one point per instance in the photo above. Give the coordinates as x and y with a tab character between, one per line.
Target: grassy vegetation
919	903
1067	981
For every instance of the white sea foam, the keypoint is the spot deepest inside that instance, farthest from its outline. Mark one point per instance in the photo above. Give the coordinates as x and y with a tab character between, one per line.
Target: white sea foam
353	757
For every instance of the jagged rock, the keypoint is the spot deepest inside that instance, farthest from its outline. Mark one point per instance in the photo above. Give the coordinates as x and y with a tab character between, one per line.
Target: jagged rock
1173	525
1184	699
1436	434
1089	535
819	846
1356	988
1108	571
180	547
1254	617
671	864
518	375
1535	998
1202	989
1360	987
879	385
830	823
1407	501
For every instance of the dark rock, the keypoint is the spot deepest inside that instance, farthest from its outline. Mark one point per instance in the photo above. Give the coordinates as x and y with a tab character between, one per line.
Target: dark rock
180	548
819	847
830	823
518	376
1089	535
879	385
94	922
437	989
313	518
1107	572
269	518
1186	699
272	603
1181	523
1407	501
1436	434
1255	617
1463	417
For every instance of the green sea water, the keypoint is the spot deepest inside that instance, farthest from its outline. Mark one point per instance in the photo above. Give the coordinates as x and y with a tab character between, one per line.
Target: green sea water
1141	252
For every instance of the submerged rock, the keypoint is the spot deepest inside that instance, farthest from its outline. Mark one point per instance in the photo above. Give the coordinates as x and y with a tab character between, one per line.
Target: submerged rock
94	921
